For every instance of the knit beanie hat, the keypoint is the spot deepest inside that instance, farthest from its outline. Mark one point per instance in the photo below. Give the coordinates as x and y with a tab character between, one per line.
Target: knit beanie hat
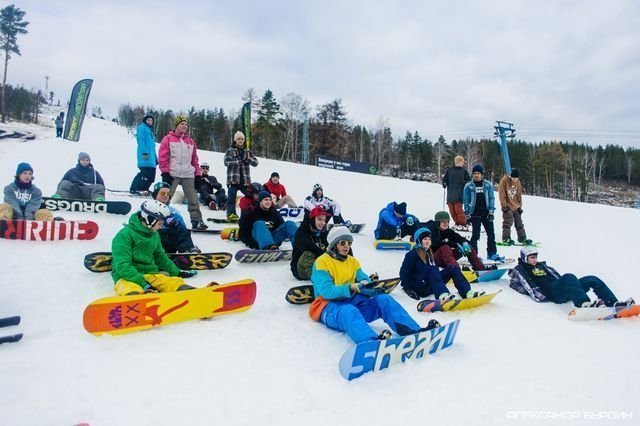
237	134
420	234
82	156
179	119
442	216
400	208
317	211
515	173
262	195
22	167
338	233
275	174
477	168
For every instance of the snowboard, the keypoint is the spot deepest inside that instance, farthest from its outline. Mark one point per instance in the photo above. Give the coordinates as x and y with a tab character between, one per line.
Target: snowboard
36	230
126	314
604	313
392	245
303	294
230	234
377	355
431	305
534	244
221	220
206	231
354	228
8	322
262	256
291	213
85	206
125	192
464	263
101	261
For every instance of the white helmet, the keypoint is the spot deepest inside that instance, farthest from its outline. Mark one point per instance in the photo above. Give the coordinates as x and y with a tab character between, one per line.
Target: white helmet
152	211
526	252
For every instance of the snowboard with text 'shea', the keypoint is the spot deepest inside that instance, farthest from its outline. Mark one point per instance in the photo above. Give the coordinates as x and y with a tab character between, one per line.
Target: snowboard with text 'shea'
262	256
37	230
85	206
304	294
101	261
376	355
126	314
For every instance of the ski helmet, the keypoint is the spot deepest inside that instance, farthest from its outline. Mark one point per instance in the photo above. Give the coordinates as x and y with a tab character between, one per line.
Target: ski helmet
152	211
315	188
526	252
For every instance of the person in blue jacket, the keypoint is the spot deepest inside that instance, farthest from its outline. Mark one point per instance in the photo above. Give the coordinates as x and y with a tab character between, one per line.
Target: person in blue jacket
394	222
147	158
344	303
83	182
421	276
479	204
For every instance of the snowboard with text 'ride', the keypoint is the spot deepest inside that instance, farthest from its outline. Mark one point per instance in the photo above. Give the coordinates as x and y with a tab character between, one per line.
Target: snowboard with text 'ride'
8	322
604	313
126	314
37	230
101	261
262	256
434	305
376	355
85	206
303	294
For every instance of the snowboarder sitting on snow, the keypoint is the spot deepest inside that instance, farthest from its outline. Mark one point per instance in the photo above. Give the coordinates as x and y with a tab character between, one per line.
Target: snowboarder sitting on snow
140	264
544	283
394	222
278	191
174	235
82	182
343	302
22	198
250	199
421	276
310	243
479	205
448	246
208	187
263	227
317	198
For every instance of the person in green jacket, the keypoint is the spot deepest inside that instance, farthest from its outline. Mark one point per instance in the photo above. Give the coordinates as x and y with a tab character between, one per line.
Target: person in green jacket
140	264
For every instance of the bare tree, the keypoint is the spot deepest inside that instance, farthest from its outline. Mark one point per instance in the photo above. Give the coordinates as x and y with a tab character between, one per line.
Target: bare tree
293	108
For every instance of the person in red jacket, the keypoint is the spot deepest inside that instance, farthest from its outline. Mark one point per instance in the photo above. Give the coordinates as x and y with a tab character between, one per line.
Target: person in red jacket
276	189
250	199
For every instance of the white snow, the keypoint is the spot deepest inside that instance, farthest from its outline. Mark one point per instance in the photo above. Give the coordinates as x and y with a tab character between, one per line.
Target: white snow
272	364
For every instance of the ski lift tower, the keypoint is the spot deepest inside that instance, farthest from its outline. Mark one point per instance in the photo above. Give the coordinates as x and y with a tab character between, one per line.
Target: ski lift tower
505	130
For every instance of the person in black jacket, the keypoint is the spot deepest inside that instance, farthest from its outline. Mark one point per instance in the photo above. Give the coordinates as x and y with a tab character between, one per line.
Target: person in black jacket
454	181
448	246
210	191
263	227
310	243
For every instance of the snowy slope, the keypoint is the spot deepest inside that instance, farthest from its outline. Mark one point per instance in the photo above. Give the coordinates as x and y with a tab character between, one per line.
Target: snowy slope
272	364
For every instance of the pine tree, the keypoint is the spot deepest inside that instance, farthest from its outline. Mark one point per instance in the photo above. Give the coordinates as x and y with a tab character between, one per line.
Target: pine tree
11	24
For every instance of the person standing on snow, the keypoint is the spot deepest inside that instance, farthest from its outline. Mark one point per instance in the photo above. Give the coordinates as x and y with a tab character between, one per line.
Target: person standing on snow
479	205
146	155
22	199
140	264
59	121
510	193
454	180
421	276
178	159
342	301
238	159
543	283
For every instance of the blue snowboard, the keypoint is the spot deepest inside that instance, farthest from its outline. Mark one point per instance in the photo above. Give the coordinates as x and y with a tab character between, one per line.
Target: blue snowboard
490	275
377	355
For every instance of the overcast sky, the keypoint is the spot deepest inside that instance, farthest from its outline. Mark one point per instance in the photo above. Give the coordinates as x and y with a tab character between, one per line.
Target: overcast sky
437	68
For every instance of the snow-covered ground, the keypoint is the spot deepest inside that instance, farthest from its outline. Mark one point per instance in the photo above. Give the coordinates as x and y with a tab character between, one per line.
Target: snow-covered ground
514	361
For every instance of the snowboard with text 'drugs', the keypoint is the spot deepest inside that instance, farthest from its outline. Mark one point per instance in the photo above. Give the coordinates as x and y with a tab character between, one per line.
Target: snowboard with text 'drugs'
126	314
37	230
85	206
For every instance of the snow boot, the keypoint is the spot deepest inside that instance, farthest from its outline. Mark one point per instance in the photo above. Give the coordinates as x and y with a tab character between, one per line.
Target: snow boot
593	304
474	293
624	303
432	324
385	334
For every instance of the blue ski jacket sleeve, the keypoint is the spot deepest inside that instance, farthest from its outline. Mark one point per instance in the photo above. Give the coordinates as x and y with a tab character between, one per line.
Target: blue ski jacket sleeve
146	153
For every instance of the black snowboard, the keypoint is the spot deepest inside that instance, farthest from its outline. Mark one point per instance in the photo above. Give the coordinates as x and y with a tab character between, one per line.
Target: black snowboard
220	220
101	261
303	294
85	206
354	228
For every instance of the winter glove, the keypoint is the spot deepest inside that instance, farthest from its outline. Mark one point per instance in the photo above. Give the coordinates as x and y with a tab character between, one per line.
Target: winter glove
148	288
171	221
398	232
187	274
490	217
505	209
166	177
410	221
465	248
467	218
369	292
197	182
374	276
520	210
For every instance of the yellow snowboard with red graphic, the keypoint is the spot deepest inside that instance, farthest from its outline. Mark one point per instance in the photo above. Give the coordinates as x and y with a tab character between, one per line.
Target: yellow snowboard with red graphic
126	314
